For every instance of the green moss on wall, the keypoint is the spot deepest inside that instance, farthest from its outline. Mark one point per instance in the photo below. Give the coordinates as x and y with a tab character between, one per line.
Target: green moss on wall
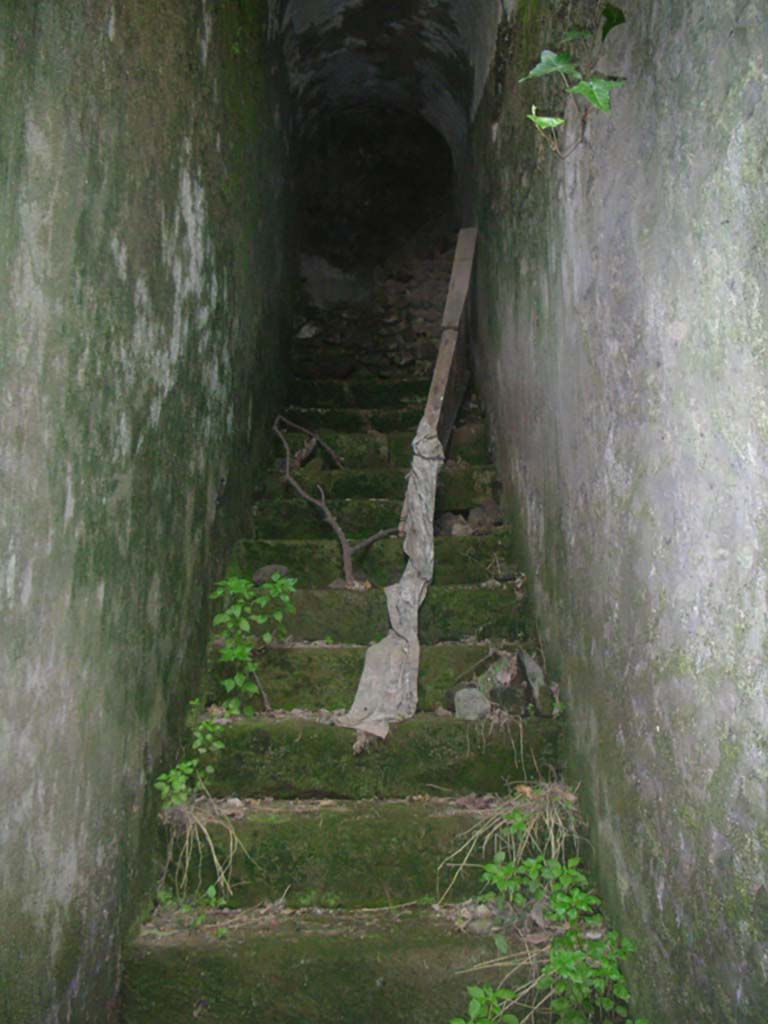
144	277
622	309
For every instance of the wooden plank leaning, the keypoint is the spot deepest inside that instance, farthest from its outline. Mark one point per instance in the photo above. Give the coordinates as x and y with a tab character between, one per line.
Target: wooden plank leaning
387	691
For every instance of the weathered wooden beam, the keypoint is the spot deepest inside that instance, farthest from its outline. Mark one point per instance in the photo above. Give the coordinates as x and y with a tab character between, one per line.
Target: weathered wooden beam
451	373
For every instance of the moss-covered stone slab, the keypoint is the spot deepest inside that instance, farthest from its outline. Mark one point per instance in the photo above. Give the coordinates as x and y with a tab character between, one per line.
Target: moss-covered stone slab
448	613
358	450
370	448
290	519
364	394
327	676
344	853
458	487
316	563
288	758
469	443
352	420
387	967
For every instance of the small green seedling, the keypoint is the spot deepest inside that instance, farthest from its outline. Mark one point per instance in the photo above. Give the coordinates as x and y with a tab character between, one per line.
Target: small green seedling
576	977
486	1006
252	619
186	779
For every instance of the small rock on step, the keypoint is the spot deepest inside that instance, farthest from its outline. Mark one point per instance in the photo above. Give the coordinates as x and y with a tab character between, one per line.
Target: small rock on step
501	683
450	524
482	518
471	704
308	330
504	684
534	676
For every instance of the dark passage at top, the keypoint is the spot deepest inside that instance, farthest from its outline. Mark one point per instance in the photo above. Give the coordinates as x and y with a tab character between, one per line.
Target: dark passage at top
367	179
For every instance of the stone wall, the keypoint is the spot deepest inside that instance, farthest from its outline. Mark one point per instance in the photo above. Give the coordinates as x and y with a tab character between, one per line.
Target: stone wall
622	354
143	286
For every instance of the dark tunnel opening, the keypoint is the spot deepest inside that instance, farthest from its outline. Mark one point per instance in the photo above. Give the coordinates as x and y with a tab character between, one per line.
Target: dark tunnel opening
369	178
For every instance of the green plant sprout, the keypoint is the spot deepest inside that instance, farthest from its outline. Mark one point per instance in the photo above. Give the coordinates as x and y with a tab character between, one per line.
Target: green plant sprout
572	971
191	816
252	620
186	779
194	907
578	79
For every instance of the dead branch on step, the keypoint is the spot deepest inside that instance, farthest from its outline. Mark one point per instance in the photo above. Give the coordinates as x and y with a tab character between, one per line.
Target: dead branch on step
293	462
313	441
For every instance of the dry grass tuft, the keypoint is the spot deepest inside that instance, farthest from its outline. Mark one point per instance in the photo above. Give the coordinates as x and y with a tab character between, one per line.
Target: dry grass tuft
190	827
538	818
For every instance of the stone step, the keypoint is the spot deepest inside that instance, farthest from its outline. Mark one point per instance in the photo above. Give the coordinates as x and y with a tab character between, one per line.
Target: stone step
448	613
290	758
347	364
354	420
458	487
317	563
341	853
326	676
365	394
307	967
369	449
294	519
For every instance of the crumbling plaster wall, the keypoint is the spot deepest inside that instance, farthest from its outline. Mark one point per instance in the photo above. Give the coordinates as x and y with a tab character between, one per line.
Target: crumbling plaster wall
622	301
142	282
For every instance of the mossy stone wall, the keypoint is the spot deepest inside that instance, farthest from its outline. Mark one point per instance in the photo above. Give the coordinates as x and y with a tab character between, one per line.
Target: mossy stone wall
143	283
621	351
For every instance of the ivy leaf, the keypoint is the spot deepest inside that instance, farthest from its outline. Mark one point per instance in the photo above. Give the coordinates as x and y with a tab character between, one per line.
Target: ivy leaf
501	944
612	16
597	90
550	63
542	122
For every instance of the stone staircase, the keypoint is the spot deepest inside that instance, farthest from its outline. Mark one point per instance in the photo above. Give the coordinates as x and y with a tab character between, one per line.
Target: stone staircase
333	916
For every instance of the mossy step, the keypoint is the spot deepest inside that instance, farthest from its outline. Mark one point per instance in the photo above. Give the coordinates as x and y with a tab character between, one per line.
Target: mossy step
343	853
316	677
448	613
317	563
387	967
469	442
294	519
369	449
357	450
293	758
352	420
346	365
365	394
458	487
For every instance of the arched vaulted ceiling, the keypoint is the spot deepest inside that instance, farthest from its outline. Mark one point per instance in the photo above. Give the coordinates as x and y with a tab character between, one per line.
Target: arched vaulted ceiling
429	57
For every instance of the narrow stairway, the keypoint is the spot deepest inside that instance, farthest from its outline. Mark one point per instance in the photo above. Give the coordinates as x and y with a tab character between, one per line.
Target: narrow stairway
333	917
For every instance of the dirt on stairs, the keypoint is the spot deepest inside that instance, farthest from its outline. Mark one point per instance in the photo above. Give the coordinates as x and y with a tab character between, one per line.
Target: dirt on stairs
334	915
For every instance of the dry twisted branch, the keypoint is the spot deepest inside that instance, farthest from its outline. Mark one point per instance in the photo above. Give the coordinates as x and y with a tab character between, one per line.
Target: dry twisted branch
348	550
